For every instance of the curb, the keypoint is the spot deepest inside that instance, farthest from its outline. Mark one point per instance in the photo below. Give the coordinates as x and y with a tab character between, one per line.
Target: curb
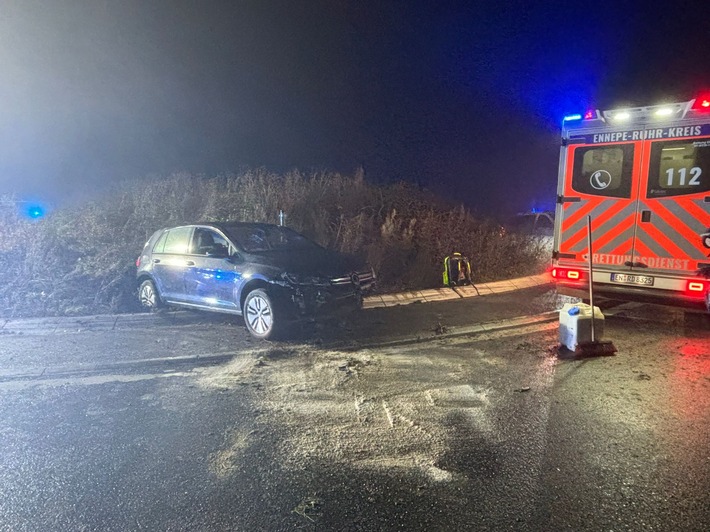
481	328
456	292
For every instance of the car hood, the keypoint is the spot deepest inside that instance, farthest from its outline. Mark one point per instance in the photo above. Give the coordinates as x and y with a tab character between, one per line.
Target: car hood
316	262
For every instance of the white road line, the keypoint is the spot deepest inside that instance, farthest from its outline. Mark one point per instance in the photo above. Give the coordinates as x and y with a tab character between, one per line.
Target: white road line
90	380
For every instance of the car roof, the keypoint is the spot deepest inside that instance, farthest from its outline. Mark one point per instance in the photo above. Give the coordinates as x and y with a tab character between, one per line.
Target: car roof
224	225
221	226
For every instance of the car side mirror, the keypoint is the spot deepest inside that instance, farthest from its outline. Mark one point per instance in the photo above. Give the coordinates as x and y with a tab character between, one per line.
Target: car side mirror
234	258
218	252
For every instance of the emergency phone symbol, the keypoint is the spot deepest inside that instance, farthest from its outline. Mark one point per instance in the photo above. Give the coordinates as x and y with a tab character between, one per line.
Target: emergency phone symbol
600	179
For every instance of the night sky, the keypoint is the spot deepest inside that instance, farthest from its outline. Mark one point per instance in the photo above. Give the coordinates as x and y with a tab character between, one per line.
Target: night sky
464	98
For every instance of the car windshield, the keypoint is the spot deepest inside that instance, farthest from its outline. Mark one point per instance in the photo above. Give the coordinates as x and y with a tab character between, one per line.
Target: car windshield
253	239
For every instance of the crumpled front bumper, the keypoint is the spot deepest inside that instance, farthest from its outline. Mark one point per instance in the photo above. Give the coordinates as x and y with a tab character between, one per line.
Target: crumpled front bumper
310	301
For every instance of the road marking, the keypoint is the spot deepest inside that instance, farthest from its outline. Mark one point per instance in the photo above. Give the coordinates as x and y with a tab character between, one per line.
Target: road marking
86	380
79	371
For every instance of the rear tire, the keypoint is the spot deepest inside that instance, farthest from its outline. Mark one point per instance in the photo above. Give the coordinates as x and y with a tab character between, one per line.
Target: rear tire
261	319
149	297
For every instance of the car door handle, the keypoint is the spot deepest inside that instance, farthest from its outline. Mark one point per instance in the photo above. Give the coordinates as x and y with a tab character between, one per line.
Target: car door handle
190	262
156	261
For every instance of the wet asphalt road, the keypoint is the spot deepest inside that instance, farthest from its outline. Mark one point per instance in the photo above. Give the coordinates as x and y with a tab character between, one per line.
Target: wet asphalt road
119	425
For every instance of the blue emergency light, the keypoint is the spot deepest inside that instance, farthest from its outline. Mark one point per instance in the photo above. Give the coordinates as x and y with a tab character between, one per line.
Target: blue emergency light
570	118
34	211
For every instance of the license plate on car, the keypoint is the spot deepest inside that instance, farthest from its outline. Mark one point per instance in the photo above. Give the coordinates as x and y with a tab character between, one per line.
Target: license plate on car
625	278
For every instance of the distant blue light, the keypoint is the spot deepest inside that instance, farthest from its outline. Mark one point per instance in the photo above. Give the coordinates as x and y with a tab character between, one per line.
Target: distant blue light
35	211
570	118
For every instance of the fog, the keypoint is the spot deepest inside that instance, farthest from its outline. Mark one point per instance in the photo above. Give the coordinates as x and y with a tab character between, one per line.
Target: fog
463	99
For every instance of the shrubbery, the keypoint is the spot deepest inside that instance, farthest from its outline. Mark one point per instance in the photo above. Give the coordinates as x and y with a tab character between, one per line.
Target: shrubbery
82	260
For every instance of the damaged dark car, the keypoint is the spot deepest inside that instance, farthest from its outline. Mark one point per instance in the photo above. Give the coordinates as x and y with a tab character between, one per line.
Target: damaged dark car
269	274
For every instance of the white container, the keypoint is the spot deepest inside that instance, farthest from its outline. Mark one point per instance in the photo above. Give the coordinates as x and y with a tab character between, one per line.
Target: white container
576	327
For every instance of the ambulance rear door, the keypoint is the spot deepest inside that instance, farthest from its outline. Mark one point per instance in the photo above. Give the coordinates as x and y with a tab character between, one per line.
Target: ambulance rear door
601	180
674	205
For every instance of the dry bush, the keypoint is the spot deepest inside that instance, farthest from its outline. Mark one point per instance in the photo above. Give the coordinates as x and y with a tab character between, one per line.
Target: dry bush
82	260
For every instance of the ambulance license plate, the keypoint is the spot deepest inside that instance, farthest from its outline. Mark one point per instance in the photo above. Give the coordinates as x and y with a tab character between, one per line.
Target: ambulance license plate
626	278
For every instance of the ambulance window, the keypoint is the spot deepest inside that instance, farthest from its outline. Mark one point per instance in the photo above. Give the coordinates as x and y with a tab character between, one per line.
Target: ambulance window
679	167
604	170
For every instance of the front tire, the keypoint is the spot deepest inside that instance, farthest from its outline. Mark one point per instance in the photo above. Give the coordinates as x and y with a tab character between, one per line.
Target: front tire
261	320
149	297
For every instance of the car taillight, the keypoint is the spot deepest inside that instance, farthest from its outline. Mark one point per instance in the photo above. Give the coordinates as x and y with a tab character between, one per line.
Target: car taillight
570	274
138	262
697	287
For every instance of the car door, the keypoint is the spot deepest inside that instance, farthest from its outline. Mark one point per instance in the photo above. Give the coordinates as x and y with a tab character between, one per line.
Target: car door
213	278
171	261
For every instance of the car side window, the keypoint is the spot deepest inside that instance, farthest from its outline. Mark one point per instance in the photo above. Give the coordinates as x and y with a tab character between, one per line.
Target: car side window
160	244
208	242
177	240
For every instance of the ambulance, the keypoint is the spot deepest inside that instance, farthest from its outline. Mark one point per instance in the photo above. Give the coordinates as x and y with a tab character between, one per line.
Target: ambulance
642	175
